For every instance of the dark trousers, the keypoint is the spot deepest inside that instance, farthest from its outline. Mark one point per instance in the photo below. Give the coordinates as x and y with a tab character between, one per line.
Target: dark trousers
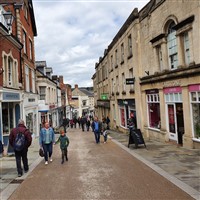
21	156
64	154
48	150
83	126
97	136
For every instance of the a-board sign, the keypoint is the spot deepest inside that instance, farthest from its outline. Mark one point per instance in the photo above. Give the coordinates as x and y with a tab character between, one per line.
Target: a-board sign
136	138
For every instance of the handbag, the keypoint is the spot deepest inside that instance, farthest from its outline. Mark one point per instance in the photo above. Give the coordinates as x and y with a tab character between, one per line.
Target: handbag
41	152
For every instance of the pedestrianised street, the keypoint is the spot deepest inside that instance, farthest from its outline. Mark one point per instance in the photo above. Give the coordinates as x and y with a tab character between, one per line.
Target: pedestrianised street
95	171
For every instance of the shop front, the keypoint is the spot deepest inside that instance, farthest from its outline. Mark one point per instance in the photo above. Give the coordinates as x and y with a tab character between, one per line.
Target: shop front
126	110
11	113
194	91
174	113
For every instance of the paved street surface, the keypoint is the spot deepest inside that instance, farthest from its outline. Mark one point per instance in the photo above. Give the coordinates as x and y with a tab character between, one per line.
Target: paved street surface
95	171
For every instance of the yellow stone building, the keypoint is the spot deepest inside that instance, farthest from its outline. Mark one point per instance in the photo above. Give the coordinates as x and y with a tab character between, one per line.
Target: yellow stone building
151	70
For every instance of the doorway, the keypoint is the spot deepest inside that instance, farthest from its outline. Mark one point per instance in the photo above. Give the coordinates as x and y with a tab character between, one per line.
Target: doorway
175	122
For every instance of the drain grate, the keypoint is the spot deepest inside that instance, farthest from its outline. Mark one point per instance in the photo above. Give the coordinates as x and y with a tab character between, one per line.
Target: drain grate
17	181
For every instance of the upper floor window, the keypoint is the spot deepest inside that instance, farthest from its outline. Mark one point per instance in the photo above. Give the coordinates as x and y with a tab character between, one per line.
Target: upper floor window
24	42
27	81
160	57
172	47
130	53
42	92
186	48
31	49
122	52
116	58
25	11
10	74
131	76
123	83
111	62
10	71
33	80
117	82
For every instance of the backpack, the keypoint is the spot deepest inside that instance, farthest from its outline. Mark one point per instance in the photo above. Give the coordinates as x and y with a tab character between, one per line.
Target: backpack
20	141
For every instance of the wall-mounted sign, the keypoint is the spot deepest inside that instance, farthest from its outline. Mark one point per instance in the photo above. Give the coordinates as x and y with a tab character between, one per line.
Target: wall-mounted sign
130	81
104	96
11	96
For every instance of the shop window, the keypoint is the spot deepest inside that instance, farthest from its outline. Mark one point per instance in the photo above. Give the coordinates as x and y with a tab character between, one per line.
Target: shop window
8	123
195	101
153	110
171	117
122	117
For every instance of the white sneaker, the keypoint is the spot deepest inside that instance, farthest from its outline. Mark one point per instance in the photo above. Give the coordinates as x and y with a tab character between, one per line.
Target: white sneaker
50	159
46	163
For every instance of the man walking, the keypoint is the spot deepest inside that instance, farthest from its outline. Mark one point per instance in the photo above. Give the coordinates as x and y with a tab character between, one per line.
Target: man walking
97	127
20	139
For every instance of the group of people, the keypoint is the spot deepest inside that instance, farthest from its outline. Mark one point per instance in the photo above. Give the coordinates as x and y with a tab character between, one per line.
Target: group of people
99	128
20	139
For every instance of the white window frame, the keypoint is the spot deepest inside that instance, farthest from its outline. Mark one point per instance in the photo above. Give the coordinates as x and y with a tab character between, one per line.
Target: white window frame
24	42
155	99
186	48
193	101
27	81
172	47
33	80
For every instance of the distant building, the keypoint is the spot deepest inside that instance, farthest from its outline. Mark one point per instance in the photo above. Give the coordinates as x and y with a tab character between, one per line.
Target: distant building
82	101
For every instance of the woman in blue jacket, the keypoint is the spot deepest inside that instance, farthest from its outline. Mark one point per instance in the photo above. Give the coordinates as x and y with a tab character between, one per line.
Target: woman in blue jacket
47	139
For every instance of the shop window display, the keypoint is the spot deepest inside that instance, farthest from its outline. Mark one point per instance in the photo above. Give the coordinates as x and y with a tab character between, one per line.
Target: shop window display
195	99
154	111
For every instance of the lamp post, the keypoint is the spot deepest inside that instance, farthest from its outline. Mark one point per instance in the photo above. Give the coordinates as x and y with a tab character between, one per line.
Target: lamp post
8	16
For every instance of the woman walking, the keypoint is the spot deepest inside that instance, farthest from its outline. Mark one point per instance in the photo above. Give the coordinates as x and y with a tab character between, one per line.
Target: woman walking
47	139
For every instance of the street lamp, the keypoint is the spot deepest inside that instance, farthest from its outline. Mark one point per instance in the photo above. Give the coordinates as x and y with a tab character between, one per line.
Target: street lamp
8	16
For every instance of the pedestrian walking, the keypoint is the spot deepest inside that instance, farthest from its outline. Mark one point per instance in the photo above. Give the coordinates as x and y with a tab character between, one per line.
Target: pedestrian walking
104	130
65	123
64	143
75	121
71	123
97	127
88	124
108	122
20	139
46	140
83	122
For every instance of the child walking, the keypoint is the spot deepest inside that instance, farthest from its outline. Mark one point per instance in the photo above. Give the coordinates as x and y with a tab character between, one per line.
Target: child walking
64	143
104	130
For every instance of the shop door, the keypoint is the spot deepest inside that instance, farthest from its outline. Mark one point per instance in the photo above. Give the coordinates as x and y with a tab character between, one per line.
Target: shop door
172	122
180	122
176	122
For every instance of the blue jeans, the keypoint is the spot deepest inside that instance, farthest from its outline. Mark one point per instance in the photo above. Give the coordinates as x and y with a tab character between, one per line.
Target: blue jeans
97	136
48	150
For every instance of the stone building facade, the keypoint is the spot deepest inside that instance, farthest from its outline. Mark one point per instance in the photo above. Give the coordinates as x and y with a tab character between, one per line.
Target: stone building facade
151	70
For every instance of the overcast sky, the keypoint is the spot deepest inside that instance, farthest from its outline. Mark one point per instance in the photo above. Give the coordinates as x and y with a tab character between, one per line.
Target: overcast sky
72	35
